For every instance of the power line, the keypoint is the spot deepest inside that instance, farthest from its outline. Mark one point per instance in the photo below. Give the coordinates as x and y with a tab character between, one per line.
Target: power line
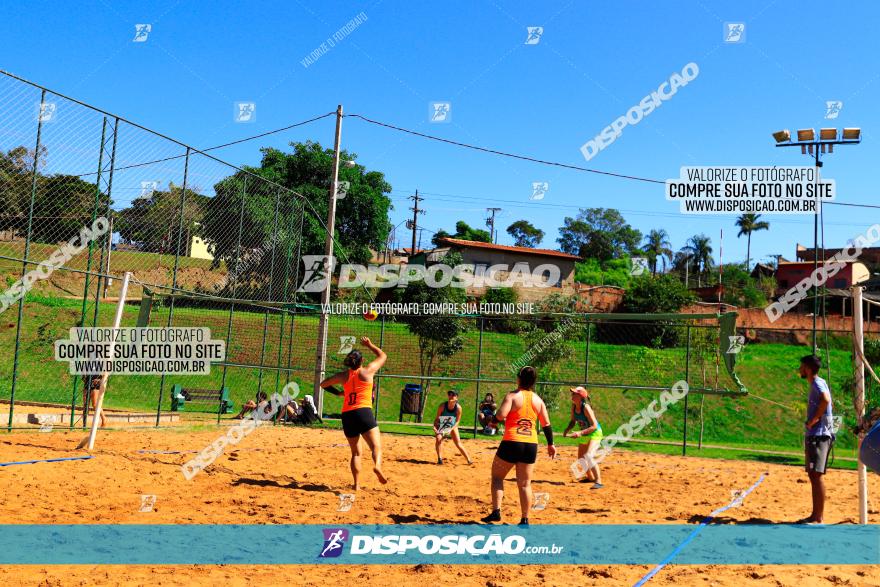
215	147
455	198
505	154
848	204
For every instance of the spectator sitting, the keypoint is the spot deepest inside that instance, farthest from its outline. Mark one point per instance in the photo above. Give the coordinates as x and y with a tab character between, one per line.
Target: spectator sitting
251	405
487	413
292	412
303	413
90	395
310	411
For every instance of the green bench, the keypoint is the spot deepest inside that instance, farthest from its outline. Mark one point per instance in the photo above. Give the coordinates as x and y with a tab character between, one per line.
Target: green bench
180	396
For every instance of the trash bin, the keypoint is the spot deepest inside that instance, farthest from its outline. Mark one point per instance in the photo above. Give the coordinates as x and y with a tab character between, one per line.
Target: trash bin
411	401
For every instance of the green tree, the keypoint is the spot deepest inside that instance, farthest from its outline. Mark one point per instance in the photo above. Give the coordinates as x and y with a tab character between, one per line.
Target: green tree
525	234
62	205
16	168
440	234
749	223
600	233
361	216
464	231
663	294
699	250
153	222
657	247
549	338
741	289
439	336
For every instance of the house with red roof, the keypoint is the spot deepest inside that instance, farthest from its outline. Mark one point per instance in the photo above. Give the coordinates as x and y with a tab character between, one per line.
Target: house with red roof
547	271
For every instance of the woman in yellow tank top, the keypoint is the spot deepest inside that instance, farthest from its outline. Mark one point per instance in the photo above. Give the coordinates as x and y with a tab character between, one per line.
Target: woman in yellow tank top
357	407
520	411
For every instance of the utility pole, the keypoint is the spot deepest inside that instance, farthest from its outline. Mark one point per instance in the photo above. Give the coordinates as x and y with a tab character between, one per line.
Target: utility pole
687	263
321	352
490	222
415	219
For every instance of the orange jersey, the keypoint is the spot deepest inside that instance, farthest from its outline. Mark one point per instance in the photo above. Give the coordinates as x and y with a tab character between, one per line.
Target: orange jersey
520	422
358	394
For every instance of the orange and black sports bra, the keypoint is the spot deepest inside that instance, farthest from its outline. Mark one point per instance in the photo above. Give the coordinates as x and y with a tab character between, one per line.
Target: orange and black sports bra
521	423
358	394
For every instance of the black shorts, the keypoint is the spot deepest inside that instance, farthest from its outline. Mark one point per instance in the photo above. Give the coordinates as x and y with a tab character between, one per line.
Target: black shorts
356	422
513	451
816	449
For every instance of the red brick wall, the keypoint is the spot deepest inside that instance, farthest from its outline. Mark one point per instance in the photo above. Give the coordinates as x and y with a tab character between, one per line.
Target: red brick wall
756	318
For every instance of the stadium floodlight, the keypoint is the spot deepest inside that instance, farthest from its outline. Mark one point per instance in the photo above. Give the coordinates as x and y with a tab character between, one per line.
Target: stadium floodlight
852	134
806	134
782	136
816	147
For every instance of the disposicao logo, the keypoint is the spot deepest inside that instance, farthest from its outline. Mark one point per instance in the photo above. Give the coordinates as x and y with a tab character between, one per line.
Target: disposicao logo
334	541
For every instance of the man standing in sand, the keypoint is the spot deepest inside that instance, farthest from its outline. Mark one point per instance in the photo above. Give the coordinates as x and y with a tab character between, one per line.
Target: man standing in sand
819	434
357	407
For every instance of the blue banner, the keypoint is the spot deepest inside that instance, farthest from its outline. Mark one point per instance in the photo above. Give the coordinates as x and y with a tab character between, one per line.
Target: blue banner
439	544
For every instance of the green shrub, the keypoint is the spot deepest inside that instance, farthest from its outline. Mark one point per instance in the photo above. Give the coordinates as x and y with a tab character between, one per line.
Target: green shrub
502	295
611	272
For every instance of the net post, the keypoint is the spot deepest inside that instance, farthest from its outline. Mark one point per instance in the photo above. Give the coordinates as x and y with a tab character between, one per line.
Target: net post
859	399
117	320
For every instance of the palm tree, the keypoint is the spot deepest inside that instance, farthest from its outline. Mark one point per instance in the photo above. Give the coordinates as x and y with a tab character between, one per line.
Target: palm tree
699	249
749	223
657	246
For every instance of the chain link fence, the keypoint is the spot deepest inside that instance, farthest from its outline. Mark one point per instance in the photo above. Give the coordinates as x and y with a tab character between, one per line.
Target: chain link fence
92	196
85	197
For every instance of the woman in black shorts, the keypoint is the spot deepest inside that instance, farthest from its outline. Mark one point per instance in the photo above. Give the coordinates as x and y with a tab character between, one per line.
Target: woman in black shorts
519	445
357	407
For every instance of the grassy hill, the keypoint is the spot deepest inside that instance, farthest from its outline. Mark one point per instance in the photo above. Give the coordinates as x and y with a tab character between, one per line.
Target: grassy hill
771	416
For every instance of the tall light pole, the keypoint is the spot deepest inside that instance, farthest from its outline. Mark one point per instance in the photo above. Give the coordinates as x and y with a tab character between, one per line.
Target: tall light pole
321	352
813	145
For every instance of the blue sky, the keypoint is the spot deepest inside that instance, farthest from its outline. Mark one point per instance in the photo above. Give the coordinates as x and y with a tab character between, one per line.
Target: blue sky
593	62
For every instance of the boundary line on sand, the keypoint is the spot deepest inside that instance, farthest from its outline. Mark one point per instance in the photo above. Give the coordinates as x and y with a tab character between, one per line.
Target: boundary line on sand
706	521
82	458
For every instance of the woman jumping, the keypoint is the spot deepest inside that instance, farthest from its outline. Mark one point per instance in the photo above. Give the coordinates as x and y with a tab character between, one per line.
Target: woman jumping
357	407
446	423
582	414
519	445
